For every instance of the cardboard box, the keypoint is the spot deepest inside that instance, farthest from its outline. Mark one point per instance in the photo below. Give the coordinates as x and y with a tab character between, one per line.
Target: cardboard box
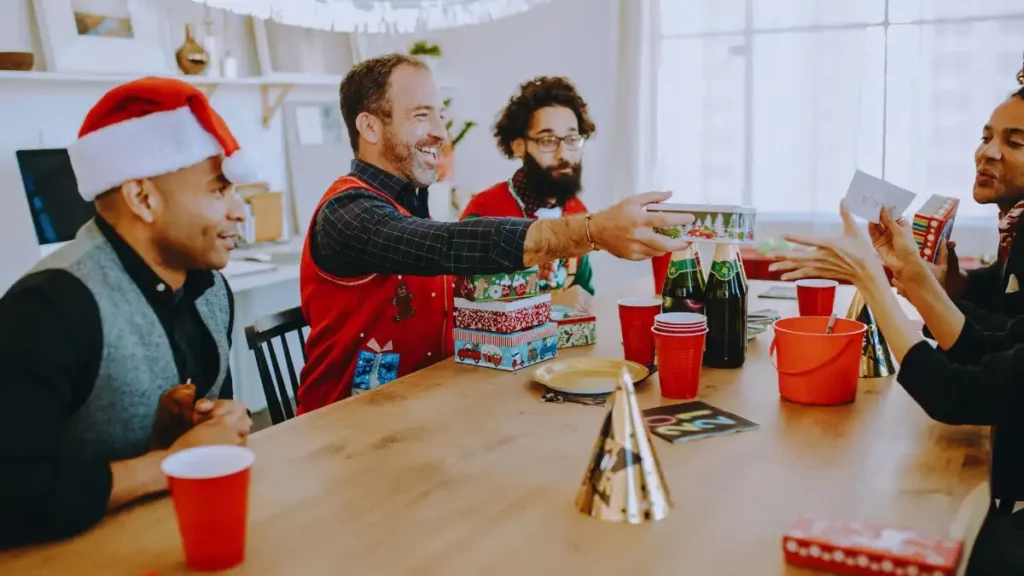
855	548
714	224
491	287
268	216
574	327
933	222
506	351
503	317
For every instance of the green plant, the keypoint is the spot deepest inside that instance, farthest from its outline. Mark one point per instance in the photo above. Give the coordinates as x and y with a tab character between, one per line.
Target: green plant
424	48
466	126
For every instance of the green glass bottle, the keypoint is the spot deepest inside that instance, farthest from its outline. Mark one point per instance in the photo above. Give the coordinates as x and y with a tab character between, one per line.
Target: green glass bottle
725	304
684	283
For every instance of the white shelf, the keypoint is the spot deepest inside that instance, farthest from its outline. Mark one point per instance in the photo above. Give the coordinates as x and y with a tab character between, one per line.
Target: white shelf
328	80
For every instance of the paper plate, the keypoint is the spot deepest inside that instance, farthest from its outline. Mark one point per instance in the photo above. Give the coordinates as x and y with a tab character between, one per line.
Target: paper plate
587	375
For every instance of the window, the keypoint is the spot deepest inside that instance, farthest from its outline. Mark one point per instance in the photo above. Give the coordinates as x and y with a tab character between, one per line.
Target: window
775	104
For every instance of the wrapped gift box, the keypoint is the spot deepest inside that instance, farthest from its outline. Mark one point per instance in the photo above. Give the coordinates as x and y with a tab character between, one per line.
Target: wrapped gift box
933	223
503	317
491	287
506	351
715	224
574	327
855	548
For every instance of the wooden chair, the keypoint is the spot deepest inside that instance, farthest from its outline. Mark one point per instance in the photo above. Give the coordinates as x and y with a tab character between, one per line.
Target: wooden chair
260	337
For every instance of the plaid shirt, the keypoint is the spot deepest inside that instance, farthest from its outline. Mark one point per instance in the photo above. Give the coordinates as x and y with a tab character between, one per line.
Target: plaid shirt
358	233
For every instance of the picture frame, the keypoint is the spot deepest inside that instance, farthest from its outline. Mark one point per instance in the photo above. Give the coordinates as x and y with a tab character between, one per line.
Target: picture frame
134	40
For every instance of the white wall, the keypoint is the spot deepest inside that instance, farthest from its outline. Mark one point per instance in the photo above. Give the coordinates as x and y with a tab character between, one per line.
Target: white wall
36	114
485	64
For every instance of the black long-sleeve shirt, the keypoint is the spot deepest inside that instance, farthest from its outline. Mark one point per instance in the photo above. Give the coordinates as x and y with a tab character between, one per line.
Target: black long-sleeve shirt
978	381
51	341
358	233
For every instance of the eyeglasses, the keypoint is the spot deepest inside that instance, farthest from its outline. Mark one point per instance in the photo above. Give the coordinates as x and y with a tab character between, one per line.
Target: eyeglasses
551	143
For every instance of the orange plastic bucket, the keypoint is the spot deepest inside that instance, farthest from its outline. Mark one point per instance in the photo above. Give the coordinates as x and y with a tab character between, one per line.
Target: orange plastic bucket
814	367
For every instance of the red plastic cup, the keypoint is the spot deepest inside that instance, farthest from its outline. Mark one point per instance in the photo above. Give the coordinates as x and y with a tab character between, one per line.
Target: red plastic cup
681	318
660	264
680	357
636	316
210	489
816	297
675	330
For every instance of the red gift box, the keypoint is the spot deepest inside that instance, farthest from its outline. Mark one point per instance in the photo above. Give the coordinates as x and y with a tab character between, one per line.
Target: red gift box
933	223
862	549
503	317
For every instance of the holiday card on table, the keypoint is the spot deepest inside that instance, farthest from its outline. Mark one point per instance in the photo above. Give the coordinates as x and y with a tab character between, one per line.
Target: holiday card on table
716	224
856	548
693	420
933	223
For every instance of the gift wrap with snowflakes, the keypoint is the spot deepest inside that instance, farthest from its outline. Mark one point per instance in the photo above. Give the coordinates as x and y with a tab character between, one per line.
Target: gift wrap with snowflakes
506	351
861	549
574	327
503	317
715	224
375	366
491	287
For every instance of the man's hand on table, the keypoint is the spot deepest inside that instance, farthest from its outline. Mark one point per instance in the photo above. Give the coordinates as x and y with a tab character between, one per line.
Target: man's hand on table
178	413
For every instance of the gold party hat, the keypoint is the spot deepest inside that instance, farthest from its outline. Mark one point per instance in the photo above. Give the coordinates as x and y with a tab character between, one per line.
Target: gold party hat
624	482
876	359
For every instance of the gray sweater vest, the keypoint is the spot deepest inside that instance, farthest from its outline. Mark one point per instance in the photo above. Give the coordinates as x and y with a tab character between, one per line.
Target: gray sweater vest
137	365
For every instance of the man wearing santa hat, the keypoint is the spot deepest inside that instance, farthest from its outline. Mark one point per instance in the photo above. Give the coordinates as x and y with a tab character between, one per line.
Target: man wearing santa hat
114	349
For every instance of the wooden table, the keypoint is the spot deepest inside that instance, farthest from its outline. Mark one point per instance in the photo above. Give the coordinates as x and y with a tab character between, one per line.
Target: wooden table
463	470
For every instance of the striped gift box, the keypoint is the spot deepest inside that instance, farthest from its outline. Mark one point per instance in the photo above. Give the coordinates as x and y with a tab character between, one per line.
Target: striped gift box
933	222
504	316
506	351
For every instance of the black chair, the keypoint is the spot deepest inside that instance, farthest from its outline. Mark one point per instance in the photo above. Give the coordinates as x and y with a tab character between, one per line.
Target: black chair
260	337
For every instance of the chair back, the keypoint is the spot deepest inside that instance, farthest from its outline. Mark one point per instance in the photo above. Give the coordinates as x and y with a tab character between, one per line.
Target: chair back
260	336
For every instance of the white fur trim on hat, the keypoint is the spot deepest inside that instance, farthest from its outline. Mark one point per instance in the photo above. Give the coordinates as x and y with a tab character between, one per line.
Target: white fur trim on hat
159	143
241	168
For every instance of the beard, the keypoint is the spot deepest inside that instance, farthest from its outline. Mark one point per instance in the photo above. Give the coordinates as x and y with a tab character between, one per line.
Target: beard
549	183
409	161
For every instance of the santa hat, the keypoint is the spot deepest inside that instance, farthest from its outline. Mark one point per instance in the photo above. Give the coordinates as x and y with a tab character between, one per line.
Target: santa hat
149	127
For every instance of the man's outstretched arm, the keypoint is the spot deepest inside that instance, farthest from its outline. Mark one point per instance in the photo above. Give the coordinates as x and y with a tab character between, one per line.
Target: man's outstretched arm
358	233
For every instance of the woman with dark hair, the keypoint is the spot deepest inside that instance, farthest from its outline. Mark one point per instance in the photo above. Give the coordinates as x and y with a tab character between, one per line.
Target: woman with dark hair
972	377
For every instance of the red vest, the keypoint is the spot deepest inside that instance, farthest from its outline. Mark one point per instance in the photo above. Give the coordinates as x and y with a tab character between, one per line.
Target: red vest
367	331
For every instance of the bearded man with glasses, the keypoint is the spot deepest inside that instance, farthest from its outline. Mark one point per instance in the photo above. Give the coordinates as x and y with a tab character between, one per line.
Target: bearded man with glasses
545	125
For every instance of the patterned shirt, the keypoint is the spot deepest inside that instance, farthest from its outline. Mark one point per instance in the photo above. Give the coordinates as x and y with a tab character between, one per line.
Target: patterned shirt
358	233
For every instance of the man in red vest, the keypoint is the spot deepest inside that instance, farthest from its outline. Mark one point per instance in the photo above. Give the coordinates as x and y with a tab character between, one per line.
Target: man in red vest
545	125
373	273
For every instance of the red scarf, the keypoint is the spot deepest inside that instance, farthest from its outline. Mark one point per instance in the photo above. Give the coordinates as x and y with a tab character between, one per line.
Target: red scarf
1009	222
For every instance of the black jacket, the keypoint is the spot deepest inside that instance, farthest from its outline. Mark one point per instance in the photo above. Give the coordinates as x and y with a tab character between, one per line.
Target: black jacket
986	300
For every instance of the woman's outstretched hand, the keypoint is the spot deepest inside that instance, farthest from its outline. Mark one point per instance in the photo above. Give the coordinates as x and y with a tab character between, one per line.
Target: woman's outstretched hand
849	256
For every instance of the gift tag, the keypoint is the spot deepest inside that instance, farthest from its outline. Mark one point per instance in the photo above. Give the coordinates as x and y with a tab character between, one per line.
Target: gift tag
867	194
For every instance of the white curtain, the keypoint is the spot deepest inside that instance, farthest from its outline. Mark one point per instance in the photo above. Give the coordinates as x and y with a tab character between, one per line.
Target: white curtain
778	107
635	130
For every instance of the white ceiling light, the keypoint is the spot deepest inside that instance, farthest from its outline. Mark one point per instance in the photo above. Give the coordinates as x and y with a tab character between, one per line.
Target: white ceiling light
376	16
